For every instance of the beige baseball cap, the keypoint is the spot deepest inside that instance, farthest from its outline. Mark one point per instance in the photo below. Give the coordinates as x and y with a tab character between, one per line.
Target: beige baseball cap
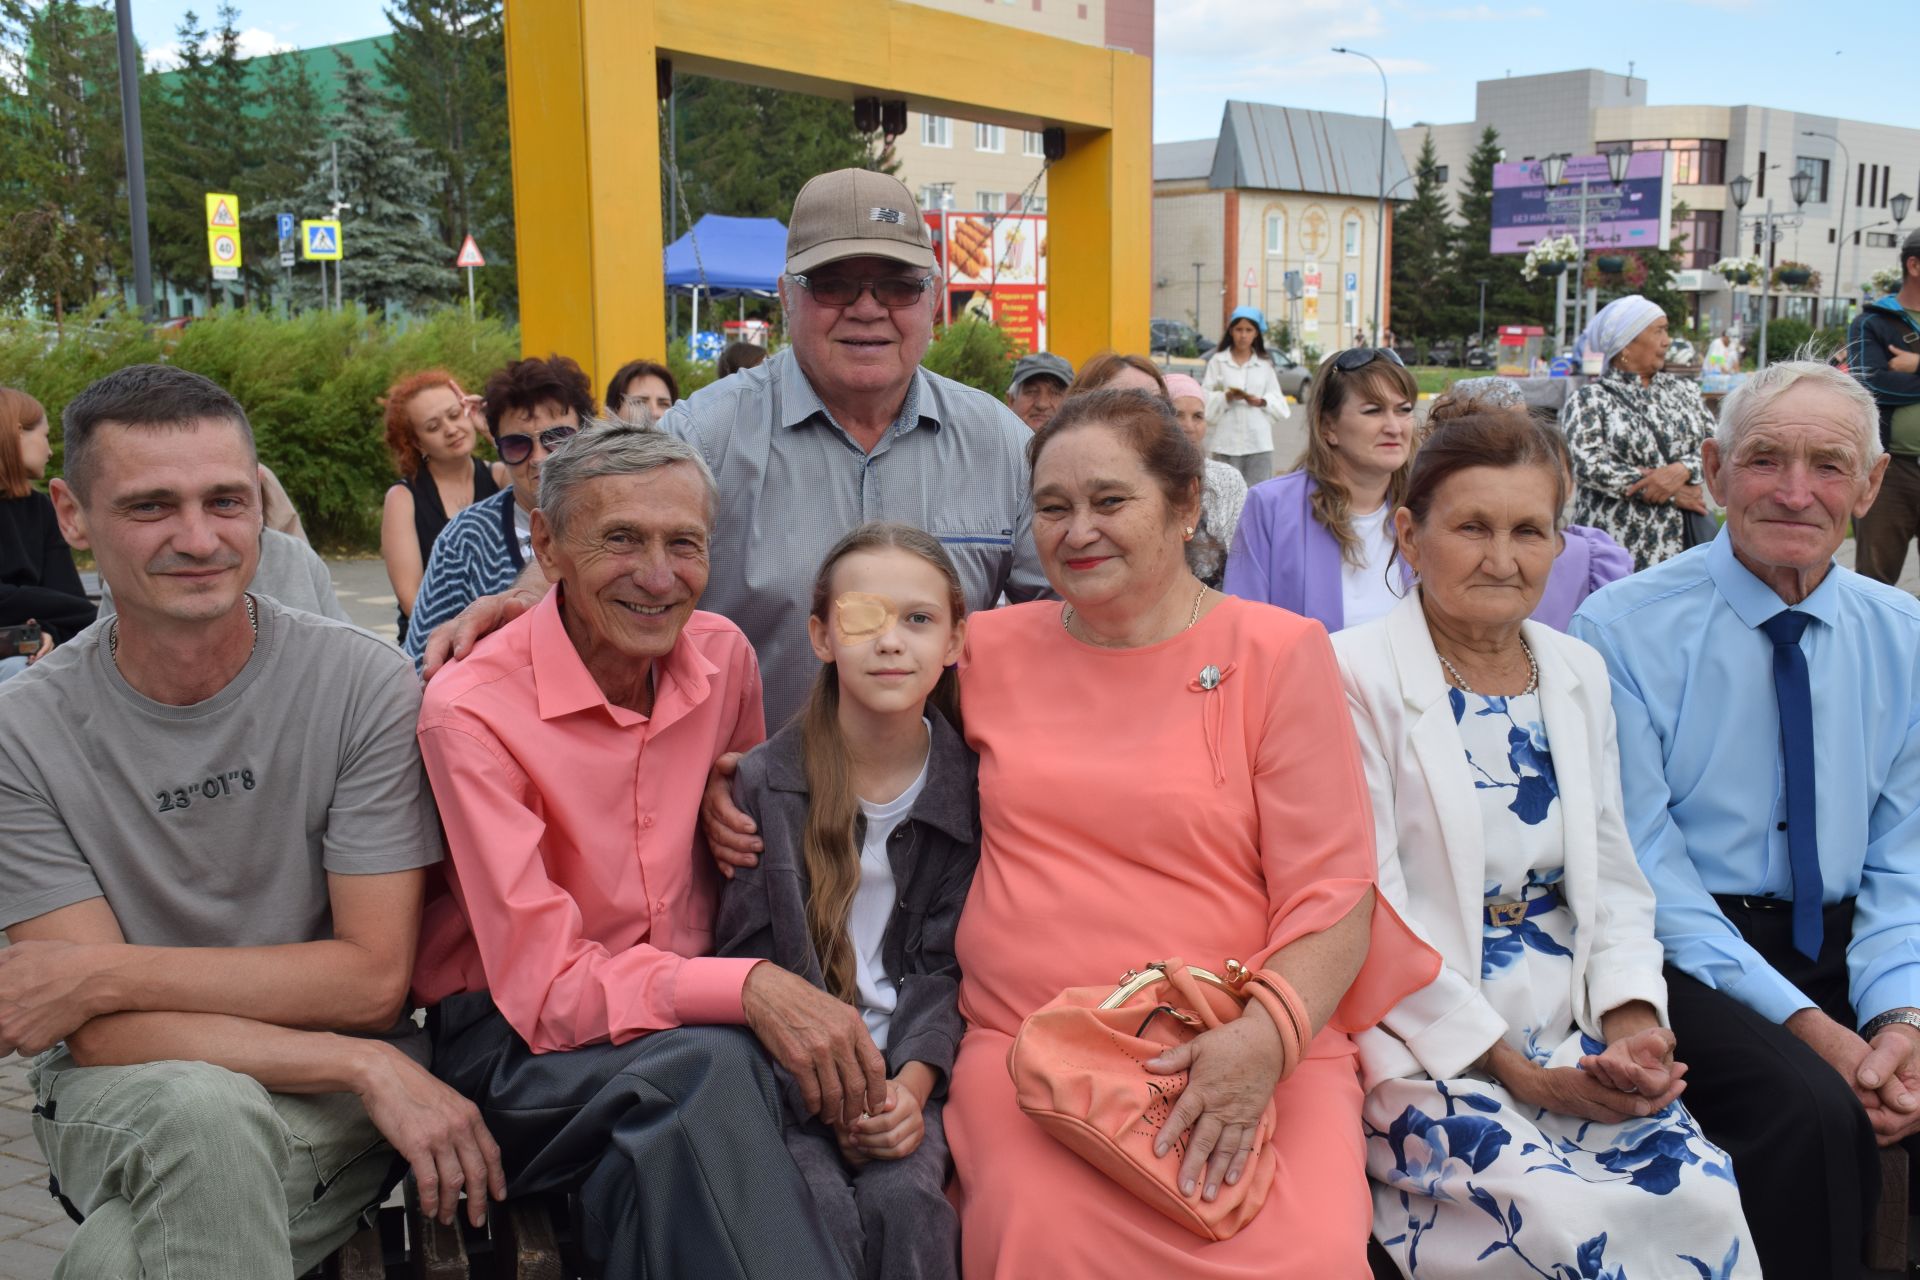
856	213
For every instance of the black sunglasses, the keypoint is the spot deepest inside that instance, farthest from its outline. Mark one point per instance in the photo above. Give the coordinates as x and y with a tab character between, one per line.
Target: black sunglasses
518	447
1360	357
892	292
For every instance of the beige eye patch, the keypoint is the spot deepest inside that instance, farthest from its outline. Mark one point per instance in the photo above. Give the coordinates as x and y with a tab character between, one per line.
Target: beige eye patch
859	616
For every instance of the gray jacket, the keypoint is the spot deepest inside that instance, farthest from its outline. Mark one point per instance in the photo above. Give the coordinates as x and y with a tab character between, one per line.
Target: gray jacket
933	852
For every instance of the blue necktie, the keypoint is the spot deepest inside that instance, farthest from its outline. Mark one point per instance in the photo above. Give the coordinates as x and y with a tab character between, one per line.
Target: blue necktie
1794	692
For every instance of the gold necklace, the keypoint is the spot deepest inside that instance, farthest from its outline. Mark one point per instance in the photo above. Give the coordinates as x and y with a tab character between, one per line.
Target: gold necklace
1066	615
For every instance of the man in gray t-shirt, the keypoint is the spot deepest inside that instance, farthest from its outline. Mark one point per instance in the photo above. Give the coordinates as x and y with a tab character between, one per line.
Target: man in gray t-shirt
216	835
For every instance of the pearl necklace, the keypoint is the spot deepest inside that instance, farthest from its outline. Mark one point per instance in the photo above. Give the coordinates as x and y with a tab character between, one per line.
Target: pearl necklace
1066	614
113	631
1533	668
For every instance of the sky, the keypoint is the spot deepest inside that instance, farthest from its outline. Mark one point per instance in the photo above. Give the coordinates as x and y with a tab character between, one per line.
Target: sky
1716	52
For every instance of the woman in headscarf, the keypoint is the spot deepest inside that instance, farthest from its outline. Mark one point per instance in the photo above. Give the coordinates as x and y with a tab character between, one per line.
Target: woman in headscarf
1635	434
1224	491
1244	399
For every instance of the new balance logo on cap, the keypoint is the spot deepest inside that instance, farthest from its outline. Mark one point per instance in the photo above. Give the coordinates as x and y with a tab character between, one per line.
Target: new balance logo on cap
856	213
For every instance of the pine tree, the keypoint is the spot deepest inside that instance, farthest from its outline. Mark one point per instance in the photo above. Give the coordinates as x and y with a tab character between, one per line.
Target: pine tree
447	66
1423	254
387	183
746	151
288	114
182	159
62	225
1510	299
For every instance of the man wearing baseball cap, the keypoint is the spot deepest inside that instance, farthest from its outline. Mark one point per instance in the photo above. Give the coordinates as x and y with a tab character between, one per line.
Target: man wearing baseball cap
1040	381
842	427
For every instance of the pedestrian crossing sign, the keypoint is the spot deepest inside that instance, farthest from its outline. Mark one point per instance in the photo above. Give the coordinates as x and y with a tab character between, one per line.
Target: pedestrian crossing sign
320	240
223	232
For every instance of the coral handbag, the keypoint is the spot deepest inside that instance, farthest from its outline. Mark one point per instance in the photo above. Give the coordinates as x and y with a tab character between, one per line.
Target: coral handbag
1079	1069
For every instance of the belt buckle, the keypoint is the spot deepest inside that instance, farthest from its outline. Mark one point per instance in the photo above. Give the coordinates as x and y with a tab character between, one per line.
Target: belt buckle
1506	914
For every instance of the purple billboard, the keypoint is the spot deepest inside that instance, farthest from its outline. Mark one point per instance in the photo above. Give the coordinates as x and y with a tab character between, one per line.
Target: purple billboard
1633	215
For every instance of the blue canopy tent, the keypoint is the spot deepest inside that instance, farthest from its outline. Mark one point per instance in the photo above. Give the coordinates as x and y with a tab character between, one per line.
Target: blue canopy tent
738	257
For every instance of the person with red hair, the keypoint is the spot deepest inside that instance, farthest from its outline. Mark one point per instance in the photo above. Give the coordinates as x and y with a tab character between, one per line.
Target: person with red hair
38	582
431	429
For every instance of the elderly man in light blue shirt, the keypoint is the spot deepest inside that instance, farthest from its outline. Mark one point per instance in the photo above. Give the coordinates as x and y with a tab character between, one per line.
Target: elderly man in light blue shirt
1767	700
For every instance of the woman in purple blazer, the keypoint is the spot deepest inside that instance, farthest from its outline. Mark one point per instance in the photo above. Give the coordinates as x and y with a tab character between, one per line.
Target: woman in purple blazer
1319	540
1284	554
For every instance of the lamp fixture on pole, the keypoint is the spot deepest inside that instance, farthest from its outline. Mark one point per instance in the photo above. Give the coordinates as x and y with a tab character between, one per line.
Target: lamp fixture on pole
1618	160
1380	216
1741	190
1554	168
1801	185
1898	207
1840	240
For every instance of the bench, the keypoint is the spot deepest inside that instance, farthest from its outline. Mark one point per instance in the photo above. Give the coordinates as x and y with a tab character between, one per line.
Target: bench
524	1239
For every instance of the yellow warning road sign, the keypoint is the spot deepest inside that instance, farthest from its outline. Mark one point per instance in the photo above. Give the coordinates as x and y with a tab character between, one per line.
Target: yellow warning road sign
223	229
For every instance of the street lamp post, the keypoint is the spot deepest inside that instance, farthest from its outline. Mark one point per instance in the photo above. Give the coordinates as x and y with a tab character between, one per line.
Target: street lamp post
136	157
1380	215
1840	240
1554	169
1898	207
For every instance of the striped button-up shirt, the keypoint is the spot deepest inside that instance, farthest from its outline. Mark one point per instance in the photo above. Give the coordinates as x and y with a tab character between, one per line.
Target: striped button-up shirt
792	482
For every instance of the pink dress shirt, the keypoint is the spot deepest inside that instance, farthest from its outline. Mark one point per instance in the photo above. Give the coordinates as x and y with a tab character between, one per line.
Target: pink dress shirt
577	891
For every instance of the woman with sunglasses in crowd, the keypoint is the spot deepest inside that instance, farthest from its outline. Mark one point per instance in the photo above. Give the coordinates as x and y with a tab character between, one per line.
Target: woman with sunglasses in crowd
1319	540
531	407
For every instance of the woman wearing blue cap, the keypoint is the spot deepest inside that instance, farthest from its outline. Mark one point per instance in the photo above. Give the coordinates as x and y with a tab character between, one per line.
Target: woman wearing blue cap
1244	399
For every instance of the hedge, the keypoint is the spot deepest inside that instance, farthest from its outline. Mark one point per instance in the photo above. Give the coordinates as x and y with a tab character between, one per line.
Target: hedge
310	385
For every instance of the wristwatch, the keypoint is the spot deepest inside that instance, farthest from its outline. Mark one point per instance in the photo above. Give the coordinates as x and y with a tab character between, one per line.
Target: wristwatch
1909	1016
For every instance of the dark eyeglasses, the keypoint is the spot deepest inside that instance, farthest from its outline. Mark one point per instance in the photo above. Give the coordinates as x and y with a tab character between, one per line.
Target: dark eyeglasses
518	447
891	292
1360	357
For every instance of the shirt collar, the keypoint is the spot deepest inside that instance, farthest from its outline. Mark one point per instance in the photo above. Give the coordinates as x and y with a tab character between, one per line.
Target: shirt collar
563	685
946	802
800	403
1753	601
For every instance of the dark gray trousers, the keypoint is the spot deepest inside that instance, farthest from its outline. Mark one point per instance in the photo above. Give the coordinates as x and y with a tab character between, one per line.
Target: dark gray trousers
672	1143
890	1218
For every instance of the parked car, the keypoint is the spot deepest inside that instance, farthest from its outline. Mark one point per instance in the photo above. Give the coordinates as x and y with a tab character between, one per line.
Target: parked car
1444	353
1479	357
1176	337
1682	353
1296	379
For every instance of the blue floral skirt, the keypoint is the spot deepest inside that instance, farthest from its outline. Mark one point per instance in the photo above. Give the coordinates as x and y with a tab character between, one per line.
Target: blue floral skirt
1469	1181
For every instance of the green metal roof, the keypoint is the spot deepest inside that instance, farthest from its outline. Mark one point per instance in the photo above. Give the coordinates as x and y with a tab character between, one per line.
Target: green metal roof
322	65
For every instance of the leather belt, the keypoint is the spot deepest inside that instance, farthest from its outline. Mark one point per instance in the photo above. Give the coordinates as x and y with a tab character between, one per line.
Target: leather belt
1504	915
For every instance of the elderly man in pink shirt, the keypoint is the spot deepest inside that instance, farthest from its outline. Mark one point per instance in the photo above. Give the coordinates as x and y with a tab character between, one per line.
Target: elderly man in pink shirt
568	963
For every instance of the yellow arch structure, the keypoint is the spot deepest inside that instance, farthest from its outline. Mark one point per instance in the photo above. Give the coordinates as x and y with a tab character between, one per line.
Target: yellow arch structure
586	147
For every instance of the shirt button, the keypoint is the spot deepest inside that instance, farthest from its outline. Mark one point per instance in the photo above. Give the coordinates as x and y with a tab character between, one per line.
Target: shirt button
1779	826
660	906
647	821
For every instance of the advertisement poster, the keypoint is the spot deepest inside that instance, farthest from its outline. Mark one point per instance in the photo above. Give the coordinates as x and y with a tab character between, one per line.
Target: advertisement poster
996	266
1634	215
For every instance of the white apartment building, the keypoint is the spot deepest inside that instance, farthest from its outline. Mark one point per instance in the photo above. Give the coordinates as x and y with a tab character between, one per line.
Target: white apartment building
1856	167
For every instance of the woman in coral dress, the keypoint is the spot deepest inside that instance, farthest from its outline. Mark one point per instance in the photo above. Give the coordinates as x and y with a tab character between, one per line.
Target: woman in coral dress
1137	806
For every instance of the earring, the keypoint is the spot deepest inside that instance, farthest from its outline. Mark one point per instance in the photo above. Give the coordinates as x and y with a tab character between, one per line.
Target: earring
1189	533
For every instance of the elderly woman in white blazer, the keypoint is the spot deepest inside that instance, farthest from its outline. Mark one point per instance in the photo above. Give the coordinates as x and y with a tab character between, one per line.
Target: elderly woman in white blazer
1522	1113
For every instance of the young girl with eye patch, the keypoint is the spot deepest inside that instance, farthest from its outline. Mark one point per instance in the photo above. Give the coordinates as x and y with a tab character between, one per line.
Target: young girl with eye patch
867	804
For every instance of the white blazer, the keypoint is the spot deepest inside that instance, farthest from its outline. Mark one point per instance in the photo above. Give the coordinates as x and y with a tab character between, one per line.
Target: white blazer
1432	847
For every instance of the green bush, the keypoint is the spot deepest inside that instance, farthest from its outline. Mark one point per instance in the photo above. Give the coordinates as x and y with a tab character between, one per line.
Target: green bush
975	352
690	374
1785	337
310	385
